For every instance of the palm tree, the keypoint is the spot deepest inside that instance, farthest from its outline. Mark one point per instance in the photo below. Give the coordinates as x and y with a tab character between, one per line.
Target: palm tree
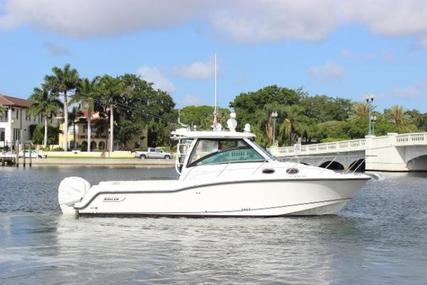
269	129
86	94
293	120
361	110
45	103
2	109
109	91
73	116
285	130
63	81
397	115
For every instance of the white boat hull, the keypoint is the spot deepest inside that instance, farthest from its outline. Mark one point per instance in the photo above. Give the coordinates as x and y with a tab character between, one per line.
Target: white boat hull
233	198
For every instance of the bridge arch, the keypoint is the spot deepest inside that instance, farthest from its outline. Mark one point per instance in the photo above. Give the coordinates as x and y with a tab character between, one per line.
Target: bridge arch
358	165
418	163
332	165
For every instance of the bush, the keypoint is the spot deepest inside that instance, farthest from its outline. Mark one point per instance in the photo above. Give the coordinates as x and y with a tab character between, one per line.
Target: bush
37	135
58	149
6	148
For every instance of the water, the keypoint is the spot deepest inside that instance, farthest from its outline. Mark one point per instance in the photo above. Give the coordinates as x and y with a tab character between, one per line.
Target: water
379	238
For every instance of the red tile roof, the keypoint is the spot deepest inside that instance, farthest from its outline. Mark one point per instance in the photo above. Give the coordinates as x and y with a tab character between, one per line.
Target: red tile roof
95	115
14	102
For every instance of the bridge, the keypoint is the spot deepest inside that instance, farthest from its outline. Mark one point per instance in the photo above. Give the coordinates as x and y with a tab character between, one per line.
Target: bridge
393	152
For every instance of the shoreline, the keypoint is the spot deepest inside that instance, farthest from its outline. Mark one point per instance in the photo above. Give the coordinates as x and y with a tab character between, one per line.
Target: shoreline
107	162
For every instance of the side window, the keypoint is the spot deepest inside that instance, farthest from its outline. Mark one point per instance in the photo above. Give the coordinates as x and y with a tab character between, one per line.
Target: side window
215	151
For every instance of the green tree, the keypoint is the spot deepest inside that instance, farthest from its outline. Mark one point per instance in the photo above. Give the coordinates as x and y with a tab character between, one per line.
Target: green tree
202	116
148	111
398	116
37	134
73	117
109	91
333	131
323	108
2	109
293	124
63	81
45	103
361	110
419	119
255	108
86	94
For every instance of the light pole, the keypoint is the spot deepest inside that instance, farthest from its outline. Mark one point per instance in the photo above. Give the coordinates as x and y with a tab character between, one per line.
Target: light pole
373	120
274	116
369	100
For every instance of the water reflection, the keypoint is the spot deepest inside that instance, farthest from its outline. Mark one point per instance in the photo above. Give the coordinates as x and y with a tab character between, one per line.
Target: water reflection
378	238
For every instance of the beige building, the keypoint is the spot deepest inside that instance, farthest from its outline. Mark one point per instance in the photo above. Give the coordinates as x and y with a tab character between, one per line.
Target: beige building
98	142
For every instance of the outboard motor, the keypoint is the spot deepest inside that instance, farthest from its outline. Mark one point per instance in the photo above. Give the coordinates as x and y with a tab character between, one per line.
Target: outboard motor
70	191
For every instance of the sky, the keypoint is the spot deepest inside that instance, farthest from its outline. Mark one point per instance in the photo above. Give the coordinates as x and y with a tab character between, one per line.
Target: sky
337	48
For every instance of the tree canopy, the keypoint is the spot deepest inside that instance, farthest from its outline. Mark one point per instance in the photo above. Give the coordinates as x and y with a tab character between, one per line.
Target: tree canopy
318	118
143	112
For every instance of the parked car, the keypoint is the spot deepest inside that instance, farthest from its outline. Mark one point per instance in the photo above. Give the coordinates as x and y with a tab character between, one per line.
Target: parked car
33	154
153	152
7	154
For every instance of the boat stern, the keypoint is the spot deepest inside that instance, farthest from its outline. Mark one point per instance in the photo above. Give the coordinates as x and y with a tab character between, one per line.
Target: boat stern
71	190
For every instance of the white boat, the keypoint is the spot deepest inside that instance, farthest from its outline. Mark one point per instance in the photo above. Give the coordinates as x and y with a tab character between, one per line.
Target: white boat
222	173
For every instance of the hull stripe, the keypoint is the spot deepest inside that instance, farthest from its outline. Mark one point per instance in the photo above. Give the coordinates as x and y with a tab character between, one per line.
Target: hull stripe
227	213
215	184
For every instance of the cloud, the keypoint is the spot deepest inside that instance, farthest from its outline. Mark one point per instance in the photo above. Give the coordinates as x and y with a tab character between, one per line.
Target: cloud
197	70
410	92
88	18
274	20
346	53
261	21
192	100
56	49
153	74
325	71
385	56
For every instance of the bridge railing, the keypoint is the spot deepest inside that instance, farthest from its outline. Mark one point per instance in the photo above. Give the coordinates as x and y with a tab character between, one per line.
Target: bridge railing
339	146
391	139
411	139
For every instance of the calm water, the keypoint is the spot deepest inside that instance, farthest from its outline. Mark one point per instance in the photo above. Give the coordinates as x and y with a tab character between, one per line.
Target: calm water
380	238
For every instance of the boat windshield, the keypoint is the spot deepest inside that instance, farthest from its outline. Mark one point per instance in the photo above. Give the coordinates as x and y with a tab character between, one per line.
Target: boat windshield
266	152
216	151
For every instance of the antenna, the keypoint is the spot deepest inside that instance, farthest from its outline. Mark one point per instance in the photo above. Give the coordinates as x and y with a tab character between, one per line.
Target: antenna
215	108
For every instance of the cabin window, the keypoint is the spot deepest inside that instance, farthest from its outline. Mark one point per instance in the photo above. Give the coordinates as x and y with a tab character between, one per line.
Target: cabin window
217	151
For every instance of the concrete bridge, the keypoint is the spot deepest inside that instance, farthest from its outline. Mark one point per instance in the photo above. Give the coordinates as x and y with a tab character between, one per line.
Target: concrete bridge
393	152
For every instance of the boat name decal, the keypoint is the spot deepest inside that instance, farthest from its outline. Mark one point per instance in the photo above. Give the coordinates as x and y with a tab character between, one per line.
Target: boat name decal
113	199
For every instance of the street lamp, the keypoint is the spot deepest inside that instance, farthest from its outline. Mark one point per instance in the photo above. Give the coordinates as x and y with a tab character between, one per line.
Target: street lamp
373	120
274	116
369	100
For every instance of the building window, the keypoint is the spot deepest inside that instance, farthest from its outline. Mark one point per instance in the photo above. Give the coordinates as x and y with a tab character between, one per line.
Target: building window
16	134
17	114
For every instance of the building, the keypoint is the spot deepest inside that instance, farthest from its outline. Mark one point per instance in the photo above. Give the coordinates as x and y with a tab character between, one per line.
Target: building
78	131
15	122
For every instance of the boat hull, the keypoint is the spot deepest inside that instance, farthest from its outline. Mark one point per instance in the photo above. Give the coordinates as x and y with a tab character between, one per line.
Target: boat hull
236	199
